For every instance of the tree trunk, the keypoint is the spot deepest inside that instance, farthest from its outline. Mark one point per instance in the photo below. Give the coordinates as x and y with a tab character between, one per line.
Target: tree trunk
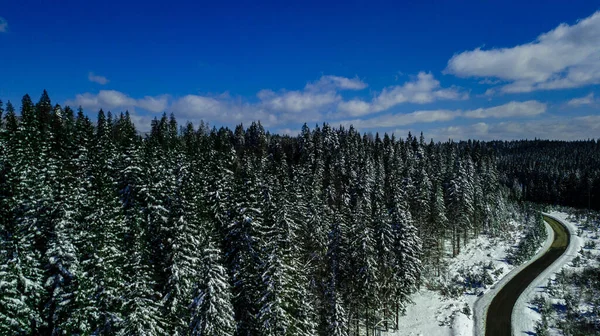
357	323
457	242
453	242
397	313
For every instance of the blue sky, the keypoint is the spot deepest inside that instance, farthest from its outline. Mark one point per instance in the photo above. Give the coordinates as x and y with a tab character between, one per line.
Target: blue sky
461	69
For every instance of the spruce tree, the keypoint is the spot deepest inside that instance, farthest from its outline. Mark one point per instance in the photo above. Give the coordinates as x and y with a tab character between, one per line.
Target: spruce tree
211	308
15	312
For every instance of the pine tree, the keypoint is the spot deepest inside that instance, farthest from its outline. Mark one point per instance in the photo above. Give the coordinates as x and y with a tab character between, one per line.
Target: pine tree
64	274
62	270
140	307
310	209
334	315
33	196
15	312
211	309
82	315
361	248
101	241
242	249
219	191
142	311
407	251
438	224
185	259
282	311
159	185
384	236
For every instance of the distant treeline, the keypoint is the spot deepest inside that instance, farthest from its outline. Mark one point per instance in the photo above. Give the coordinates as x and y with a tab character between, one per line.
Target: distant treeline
553	172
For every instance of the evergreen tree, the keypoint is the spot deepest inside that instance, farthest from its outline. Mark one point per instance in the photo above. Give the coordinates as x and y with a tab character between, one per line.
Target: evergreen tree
15	310
211	309
242	249
185	258
33	197
438	225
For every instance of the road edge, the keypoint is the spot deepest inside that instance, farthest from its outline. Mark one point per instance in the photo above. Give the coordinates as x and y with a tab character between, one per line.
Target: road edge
480	307
568	254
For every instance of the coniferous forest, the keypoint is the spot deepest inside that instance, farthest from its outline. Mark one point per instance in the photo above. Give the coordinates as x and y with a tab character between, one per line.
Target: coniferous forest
553	172
204	231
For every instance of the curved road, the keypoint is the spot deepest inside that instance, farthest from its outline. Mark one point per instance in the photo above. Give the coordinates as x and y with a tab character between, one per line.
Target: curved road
500	310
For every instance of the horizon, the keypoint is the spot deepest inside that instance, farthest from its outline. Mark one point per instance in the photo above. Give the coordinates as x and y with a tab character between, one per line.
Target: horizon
448	71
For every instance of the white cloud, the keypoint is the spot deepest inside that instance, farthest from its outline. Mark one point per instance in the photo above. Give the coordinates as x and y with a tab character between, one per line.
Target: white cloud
511	109
106	99
565	57
288	131
355	107
587	100
97	79
425	89
191	105
111	99
421	90
317	101
578	128
154	104
297	101
336	82
402	119
317	97
3	25
222	109
487	81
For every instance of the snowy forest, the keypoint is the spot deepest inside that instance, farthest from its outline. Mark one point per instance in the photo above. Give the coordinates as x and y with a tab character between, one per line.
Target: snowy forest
553	172
196	230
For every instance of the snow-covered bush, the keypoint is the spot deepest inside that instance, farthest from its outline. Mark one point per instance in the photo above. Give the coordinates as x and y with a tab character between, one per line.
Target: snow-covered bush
590	245
534	236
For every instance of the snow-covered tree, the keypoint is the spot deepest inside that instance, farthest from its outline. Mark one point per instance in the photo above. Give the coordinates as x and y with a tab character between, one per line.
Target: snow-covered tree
211	308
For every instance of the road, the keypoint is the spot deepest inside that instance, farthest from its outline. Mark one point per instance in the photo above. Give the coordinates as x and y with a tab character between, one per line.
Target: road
498	322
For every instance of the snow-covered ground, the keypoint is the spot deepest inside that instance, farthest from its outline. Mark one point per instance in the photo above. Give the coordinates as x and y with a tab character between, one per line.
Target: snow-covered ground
435	314
525	316
483	303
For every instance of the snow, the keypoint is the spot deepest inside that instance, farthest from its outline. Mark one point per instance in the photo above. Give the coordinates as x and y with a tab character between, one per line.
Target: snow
524	317
483	303
418	321
462	325
435	314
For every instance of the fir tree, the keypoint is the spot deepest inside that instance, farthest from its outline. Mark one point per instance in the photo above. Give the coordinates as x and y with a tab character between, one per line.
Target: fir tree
211	309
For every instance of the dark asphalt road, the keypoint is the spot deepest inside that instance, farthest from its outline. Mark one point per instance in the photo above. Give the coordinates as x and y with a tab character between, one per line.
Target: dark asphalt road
499	313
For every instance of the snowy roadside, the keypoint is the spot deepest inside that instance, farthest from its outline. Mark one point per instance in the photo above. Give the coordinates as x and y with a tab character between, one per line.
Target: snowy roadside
435	314
524	315
482	304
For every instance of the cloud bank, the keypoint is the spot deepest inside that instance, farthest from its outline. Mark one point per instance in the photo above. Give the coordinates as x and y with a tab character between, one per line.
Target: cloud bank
560	128
566	57
509	110
318	100
421	90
